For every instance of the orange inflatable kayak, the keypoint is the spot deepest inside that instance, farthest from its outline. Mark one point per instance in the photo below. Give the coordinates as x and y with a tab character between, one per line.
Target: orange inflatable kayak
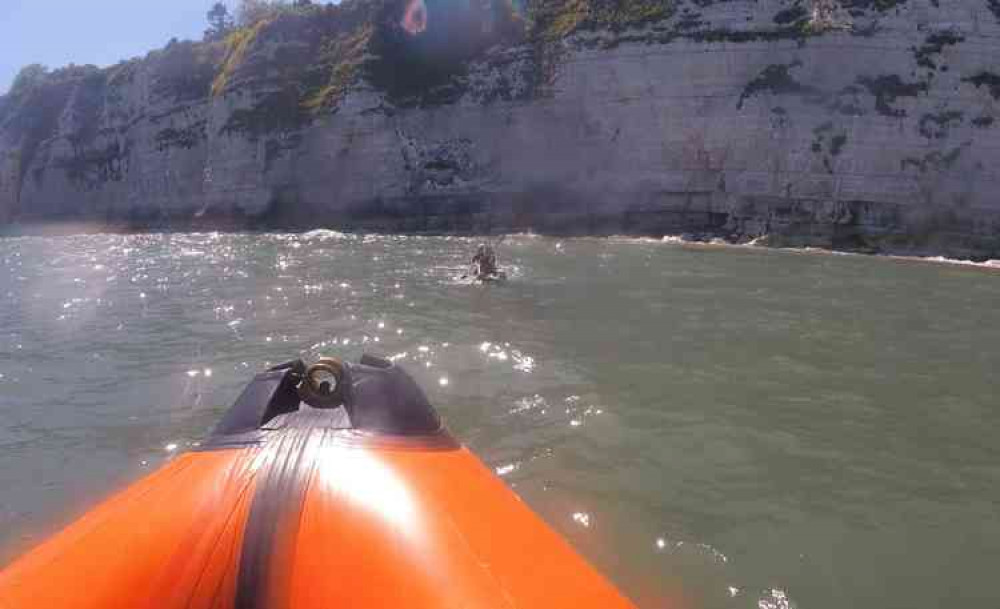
347	492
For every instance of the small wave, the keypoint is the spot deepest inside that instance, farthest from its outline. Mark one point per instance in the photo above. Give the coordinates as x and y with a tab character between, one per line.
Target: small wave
761	243
324	234
988	264
676	240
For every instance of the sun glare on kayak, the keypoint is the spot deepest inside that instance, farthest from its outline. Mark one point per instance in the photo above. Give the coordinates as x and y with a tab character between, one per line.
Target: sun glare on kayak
369	484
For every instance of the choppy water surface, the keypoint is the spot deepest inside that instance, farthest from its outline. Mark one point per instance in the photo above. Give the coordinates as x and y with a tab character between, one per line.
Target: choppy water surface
734	428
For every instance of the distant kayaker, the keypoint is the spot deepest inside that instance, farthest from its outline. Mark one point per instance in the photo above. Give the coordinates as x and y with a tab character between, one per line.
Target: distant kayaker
484	263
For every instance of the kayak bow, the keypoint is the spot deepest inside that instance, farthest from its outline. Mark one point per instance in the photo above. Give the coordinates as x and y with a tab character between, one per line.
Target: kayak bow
309	494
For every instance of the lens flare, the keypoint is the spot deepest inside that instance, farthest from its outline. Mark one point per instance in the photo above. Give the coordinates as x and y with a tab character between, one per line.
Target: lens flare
415	17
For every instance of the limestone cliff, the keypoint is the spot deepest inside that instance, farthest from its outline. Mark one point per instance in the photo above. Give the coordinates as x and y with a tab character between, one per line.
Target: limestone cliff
855	124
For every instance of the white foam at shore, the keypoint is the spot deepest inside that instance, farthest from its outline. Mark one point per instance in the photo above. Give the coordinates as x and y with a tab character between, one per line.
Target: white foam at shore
758	244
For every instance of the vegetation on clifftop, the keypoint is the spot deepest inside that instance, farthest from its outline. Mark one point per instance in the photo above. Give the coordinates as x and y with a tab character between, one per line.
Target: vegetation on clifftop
185	70
297	61
287	63
30	112
553	19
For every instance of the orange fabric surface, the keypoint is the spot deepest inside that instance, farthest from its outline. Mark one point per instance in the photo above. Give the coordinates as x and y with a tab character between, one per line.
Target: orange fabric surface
170	540
427	529
378	527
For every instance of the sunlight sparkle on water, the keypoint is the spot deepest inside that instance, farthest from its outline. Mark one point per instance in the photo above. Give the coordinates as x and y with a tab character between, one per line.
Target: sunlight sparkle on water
775	599
504	470
524	363
547	371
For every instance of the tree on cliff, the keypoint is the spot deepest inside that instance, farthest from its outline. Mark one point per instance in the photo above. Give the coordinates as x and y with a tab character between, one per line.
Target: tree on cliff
253	11
28	77
220	22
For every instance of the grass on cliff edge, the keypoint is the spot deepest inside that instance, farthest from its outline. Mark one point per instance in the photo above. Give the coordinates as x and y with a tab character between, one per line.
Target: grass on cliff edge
350	32
237	44
554	19
316	56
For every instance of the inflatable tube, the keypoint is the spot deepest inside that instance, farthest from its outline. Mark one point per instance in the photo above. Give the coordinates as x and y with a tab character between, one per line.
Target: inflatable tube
308	497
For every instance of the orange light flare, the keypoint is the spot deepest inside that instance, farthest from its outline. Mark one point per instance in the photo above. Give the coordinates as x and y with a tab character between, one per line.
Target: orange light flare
415	17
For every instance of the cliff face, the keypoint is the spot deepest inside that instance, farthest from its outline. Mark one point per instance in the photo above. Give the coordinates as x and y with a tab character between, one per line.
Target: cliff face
855	124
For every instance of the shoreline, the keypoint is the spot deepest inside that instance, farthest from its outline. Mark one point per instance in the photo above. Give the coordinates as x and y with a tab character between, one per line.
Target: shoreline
989	264
75	229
